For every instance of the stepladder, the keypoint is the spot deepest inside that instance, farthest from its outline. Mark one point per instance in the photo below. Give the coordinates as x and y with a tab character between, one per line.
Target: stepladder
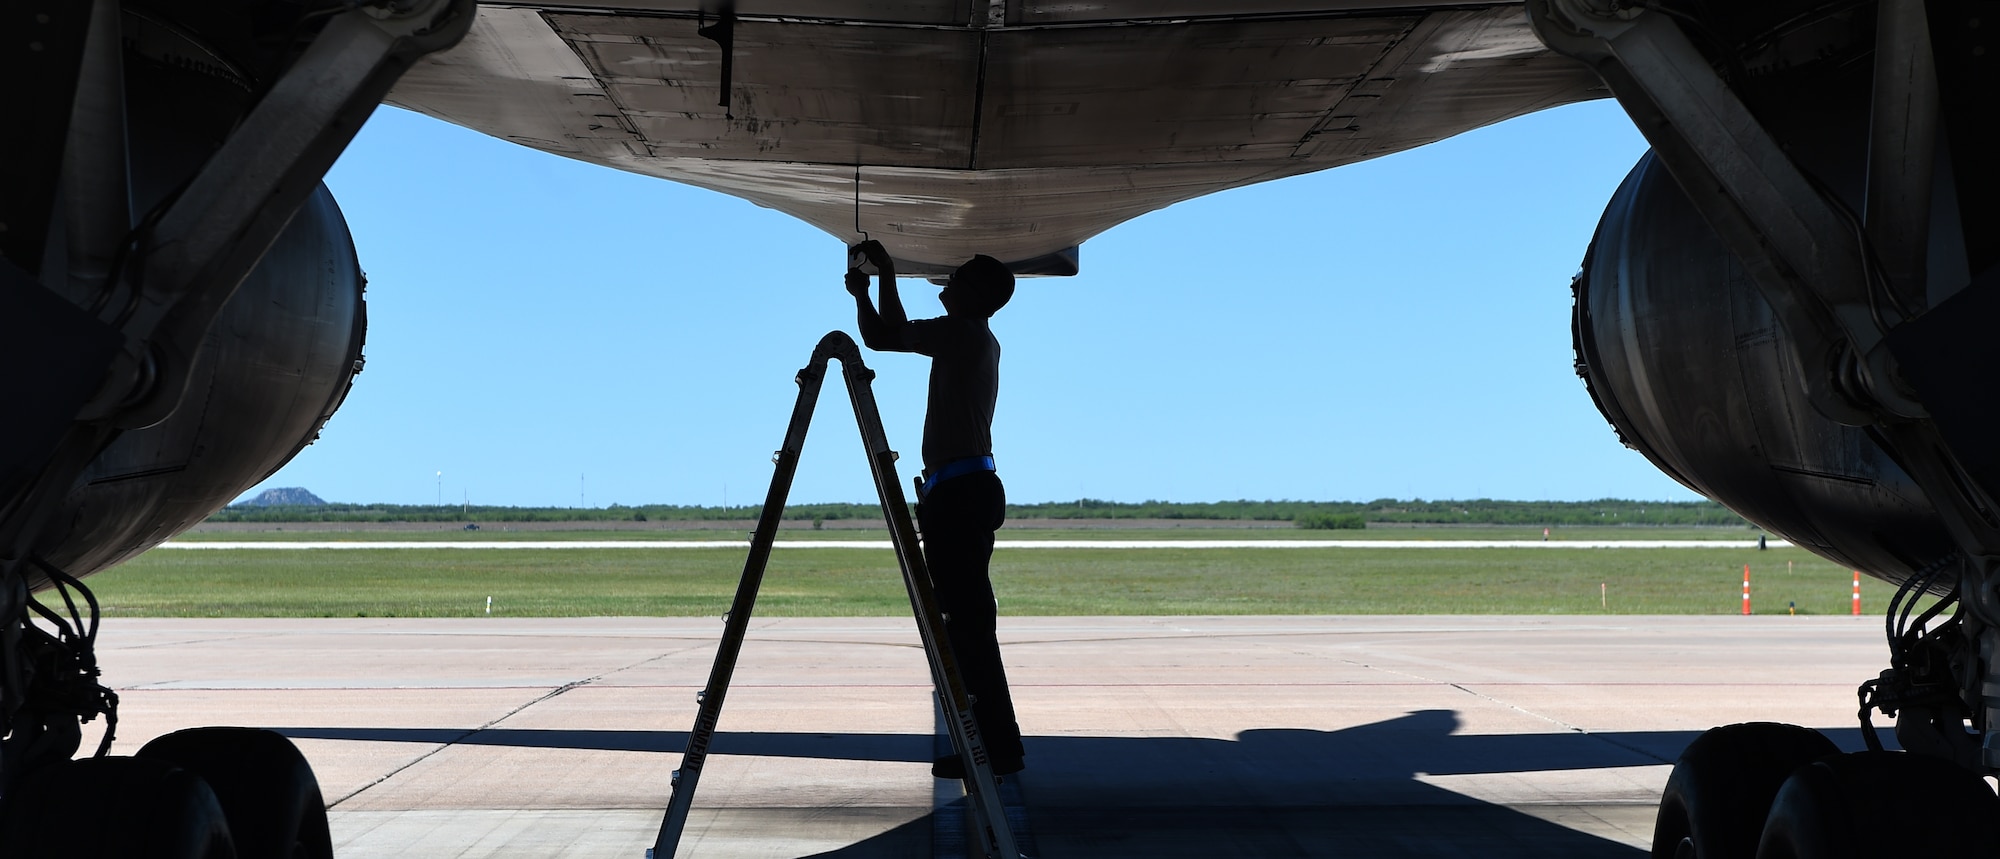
992	837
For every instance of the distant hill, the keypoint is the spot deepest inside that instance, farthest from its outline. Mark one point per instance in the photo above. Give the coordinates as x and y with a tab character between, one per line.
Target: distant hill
284	496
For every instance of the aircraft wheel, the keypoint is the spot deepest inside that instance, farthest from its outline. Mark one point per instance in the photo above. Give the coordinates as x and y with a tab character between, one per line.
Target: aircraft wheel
114	808
1721	788
1881	804
266	788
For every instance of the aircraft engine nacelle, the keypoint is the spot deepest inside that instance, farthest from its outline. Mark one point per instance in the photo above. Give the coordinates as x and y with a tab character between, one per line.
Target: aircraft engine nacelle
1687	361
276	364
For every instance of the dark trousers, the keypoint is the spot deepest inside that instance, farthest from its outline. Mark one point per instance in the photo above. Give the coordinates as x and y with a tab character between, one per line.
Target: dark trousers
958	519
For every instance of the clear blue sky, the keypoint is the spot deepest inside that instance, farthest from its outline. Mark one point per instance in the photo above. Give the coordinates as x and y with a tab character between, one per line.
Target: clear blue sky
1396	328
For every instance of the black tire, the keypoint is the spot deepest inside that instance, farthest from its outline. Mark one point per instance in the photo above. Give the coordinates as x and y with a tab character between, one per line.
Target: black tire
1721	788
114	808
266	788
1873	804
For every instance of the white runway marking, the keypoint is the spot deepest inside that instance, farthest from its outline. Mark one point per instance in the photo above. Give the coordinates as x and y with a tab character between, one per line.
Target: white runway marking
1003	544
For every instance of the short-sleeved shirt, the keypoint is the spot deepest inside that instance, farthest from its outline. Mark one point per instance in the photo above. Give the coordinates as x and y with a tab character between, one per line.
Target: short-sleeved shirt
965	384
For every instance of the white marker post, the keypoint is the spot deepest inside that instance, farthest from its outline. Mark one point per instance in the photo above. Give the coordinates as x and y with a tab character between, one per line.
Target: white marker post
489	605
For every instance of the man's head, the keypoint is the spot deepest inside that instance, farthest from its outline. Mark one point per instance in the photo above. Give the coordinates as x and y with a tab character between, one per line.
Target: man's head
980	287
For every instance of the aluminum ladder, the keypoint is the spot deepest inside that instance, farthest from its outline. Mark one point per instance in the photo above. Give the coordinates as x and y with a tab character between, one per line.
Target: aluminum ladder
989	819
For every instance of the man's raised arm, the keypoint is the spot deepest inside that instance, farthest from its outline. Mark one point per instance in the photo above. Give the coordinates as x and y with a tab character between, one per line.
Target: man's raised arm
878	329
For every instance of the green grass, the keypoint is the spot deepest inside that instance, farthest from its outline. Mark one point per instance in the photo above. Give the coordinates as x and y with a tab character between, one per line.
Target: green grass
446	534
847	582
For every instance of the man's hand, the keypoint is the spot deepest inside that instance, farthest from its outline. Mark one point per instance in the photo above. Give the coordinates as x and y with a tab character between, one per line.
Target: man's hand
873	251
878	327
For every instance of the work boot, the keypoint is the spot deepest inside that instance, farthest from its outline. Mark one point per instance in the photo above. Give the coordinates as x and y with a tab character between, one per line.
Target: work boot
953	767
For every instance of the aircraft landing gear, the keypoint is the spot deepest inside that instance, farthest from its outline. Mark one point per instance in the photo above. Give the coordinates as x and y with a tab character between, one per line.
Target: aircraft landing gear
101	805
114	806
264	786
57	673
1770	791
1716	799
202	793
1872	803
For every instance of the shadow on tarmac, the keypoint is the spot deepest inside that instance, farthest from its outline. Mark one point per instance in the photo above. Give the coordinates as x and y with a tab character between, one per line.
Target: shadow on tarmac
1267	793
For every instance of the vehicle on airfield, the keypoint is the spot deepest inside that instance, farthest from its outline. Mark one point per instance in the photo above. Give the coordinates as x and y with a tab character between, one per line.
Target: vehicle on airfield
1787	306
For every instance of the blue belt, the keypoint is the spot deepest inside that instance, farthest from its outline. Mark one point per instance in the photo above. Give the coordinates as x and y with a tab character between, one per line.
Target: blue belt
955	468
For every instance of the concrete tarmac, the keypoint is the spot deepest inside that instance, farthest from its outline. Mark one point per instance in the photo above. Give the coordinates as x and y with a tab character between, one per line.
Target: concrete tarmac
1147	736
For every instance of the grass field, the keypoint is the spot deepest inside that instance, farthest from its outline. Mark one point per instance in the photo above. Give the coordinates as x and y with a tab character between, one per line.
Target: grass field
837	582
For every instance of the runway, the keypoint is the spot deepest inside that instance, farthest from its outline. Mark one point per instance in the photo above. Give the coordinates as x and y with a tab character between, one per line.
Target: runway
1156	737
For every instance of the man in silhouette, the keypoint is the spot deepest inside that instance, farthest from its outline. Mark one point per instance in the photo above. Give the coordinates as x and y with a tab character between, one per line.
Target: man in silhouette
961	501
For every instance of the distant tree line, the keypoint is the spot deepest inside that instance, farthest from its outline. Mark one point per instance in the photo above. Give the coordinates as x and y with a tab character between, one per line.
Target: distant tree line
1332	514
1306	514
1331	521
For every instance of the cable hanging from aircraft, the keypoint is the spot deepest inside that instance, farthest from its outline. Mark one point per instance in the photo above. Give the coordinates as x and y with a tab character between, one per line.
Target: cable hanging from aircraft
857	203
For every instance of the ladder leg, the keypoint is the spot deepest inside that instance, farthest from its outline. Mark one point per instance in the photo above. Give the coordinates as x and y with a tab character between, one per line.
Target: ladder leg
736	624
994	837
